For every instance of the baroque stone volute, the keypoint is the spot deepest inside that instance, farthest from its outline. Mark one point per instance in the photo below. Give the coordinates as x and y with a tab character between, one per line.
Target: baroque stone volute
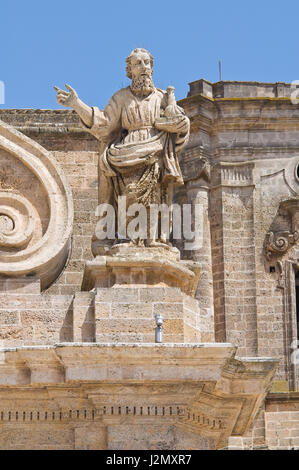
36	209
278	242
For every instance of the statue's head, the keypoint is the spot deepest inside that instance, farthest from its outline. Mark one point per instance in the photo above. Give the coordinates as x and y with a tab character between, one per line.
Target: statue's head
139	62
140	69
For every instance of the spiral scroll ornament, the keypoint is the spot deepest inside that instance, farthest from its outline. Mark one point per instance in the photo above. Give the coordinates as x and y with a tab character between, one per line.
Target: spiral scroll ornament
16	220
278	243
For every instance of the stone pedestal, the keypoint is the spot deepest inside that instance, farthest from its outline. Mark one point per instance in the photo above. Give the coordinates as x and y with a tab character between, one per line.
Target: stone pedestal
128	314
130	286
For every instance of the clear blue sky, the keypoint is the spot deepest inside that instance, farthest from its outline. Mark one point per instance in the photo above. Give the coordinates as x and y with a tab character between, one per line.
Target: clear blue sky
84	43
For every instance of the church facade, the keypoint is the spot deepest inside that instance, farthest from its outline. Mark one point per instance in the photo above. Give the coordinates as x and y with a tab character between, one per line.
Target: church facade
79	366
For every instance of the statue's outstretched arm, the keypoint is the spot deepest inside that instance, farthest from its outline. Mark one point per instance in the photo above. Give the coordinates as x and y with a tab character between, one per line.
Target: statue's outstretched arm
99	123
70	99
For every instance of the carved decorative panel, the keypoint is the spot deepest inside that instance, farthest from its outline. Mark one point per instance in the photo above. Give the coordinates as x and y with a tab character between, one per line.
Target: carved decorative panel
36	209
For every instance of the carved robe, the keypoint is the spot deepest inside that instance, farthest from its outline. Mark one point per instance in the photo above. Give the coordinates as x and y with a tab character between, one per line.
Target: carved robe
136	160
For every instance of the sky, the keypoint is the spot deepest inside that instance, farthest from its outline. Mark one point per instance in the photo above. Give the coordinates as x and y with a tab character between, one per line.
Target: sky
84	43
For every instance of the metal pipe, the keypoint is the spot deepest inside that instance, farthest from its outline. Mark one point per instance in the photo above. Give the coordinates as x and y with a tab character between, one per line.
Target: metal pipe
158	330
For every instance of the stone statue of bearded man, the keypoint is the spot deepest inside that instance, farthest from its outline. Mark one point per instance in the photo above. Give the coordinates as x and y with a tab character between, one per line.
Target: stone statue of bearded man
141	131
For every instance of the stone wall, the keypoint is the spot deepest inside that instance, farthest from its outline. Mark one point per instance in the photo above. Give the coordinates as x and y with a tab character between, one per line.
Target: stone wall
27	317
282	421
81	170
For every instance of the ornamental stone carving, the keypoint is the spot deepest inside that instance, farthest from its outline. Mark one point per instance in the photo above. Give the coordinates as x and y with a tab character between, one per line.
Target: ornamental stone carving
280	241
36	211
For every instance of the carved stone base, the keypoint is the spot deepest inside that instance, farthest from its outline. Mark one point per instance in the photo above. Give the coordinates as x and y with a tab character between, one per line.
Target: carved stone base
126	265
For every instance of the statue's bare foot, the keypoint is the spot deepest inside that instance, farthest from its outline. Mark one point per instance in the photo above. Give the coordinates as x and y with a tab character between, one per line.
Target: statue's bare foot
157	243
123	242
152	243
163	239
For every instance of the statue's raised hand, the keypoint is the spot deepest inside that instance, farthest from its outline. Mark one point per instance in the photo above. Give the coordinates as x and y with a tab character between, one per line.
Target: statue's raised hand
66	98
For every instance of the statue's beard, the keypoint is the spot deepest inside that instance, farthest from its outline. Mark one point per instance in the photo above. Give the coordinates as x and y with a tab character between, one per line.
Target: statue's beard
143	85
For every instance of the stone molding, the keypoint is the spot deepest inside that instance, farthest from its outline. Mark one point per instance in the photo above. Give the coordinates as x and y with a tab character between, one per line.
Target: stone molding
195	165
240	89
209	391
141	266
236	174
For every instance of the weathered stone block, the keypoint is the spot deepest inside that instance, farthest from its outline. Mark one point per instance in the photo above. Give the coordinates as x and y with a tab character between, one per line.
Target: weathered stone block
131	310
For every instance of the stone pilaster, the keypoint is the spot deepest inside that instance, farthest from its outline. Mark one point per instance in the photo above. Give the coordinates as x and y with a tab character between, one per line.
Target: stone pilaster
233	236
198	194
